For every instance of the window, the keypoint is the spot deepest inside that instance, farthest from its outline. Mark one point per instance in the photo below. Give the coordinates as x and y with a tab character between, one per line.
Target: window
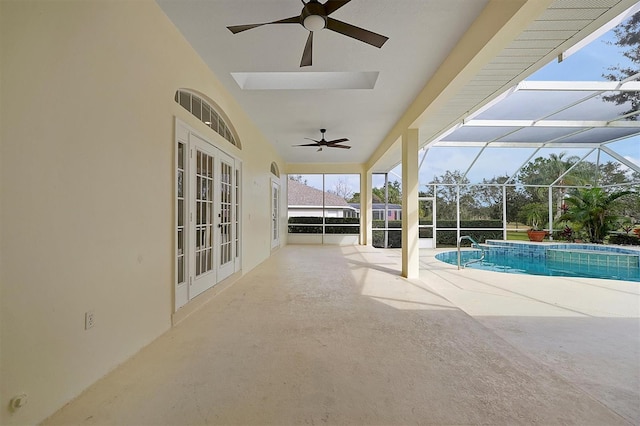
206	113
319	204
274	169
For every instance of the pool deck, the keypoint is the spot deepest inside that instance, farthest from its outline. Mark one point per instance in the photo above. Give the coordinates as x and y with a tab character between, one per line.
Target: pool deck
333	335
587	330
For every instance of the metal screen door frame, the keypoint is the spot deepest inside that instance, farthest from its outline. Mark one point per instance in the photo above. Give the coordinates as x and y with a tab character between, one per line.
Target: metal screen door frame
430	204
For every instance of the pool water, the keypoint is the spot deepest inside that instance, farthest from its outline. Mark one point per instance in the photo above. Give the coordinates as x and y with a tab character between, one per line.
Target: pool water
565	260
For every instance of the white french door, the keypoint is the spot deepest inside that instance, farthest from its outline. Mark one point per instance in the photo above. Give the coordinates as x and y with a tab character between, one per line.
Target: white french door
275	213
207	219
201	218
226	210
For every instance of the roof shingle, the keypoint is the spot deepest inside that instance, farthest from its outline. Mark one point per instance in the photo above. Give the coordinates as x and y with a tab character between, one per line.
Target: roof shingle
300	194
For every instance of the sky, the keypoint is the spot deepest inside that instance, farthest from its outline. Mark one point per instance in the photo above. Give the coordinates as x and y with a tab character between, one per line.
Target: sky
587	64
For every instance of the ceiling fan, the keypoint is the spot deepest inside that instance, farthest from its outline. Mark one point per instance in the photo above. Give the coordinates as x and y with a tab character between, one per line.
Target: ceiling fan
329	144
315	17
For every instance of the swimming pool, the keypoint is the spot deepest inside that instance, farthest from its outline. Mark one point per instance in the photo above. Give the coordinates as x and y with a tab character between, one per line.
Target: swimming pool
566	260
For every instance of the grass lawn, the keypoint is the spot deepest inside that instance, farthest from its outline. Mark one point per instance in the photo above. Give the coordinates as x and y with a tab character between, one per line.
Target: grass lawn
517	235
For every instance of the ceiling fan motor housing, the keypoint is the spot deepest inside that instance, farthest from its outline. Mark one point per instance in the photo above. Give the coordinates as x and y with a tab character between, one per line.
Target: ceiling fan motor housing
313	16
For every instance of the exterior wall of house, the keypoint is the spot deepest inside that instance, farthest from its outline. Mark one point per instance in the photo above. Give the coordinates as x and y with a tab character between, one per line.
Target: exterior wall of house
87	189
316	212
393	214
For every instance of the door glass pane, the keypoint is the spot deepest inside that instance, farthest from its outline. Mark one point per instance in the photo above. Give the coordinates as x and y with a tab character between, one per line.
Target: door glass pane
237	214
180	215
180	269
181	156
196	107
180	184
204	212
274	212
206	114
185	100
226	188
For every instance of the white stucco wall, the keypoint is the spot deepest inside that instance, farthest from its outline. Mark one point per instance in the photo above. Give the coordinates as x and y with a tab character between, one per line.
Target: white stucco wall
86	163
315	212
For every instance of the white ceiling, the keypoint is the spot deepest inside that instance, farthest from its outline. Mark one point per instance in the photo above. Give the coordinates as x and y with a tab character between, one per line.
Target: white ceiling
422	36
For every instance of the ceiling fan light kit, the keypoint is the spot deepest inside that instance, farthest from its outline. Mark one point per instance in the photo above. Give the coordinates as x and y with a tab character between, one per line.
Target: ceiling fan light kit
315	17
314	23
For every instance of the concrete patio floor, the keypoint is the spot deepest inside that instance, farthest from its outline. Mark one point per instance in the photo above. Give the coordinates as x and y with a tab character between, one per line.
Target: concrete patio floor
333	335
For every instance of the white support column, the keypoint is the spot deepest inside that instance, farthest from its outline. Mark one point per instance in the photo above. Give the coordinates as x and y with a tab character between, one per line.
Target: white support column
410	245
366	208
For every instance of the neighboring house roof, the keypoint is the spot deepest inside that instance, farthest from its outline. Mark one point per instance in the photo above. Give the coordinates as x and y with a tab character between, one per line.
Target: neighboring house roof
300	194
378	206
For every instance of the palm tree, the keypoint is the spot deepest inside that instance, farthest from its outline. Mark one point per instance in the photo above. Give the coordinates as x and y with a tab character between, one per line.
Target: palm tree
556	169
590	209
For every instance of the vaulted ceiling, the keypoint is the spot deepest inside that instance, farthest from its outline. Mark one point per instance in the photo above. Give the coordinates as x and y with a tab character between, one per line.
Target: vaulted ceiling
444	59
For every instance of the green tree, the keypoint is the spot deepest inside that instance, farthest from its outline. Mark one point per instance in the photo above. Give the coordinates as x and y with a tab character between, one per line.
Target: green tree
395	193
534	215
612	173
615	177
446	195
628	38
489	199
590	210
545	171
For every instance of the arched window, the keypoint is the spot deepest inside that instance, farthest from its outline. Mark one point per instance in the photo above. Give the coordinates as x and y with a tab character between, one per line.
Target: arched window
274	169
207	112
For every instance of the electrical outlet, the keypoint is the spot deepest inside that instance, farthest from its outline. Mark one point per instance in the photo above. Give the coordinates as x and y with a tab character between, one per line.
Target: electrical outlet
89	320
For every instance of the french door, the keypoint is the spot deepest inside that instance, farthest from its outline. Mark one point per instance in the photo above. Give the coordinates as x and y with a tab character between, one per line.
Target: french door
226	219
207	217
275	213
